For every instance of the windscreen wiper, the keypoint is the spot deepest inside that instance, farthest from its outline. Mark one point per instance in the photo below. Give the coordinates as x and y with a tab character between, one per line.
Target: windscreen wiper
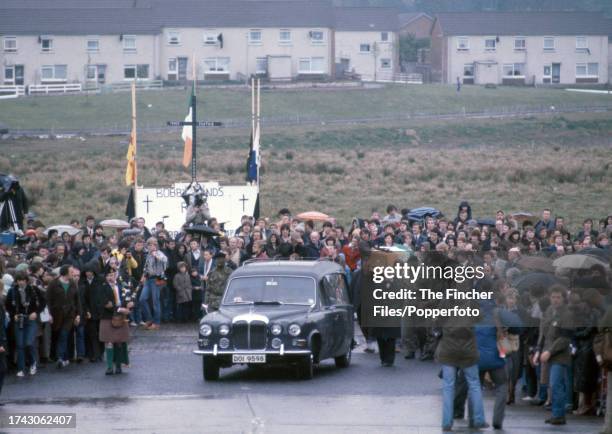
271	303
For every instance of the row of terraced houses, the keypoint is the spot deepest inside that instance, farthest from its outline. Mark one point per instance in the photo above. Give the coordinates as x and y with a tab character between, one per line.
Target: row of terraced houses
98	42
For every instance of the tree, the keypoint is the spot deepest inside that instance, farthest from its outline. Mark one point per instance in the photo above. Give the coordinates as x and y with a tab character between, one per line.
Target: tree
409	47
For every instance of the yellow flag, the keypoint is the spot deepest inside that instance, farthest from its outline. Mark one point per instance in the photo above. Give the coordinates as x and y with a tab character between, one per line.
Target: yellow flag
130	171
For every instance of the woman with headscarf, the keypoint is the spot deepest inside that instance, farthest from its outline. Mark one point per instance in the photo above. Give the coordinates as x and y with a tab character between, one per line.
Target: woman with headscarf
115	306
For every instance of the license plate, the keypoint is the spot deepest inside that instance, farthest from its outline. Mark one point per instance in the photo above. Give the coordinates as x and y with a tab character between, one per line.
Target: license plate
248	358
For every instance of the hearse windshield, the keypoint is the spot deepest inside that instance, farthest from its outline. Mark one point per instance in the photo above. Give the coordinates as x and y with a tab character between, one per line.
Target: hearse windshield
271	290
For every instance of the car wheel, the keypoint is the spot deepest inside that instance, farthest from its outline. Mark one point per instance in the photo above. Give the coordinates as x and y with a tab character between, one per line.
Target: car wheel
210	368
305	368
344	360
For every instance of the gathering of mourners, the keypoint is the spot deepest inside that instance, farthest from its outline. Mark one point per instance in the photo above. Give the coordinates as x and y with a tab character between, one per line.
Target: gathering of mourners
76	294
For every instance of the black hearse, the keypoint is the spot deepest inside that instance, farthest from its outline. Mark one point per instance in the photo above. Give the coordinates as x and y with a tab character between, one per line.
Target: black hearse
279	312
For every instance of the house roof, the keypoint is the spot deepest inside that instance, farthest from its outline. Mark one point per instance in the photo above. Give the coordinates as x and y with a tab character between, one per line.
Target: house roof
82	21
407	18
366	18
150	16
523	23
195	13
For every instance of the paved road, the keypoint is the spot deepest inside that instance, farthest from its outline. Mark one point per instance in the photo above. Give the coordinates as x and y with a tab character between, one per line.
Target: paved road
164	392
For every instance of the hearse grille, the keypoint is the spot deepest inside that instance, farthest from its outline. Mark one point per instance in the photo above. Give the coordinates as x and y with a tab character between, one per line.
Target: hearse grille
249	336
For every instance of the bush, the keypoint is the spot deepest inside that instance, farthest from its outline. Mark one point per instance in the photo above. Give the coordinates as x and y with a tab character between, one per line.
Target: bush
70	184
360	155
289	155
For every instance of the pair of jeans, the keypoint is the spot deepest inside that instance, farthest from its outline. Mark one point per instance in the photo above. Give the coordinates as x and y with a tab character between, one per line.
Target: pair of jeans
151	290
25	340
558	385
476	406
61	349
167	304
80	340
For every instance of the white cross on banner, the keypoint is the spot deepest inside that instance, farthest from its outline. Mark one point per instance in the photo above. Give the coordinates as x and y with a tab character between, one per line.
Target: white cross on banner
228	203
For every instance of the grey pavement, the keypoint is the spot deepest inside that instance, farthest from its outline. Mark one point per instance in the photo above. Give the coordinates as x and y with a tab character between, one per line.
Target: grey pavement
163	392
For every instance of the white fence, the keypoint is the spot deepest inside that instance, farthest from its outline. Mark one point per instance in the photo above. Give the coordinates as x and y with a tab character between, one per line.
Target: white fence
46	89
399	78
8	92
127	85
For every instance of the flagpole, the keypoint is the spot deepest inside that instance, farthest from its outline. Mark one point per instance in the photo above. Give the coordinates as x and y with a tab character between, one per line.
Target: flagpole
258	129
193	122
253	107
134	138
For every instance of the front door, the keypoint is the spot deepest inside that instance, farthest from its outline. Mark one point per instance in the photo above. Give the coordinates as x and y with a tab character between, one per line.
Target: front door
19	80
556	73
182	68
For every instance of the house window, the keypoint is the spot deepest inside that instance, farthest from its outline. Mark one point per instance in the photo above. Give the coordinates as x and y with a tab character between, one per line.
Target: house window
384	36
211	38
54	73
9	75
490	44
138	72
46	44
255	37
463	44
129	44
96	73
547	72
316	36
174	37
284	37
468	70
261	65
10	44
216	64
549	44
93	45
581	43
385	63
364	48
520	44
515	70
589	70
172	69
311	65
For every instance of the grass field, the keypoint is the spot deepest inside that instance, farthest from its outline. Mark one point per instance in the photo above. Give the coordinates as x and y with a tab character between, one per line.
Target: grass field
75	112
519	164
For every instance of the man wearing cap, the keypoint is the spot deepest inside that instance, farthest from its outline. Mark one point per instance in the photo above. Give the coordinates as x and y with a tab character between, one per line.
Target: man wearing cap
215	283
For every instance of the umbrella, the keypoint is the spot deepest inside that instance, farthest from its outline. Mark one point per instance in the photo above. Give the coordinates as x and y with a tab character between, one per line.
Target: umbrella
603	255
203	230
535	282
521	215
578	262
114	224
486	222
313	215
418	214
72	231
536	263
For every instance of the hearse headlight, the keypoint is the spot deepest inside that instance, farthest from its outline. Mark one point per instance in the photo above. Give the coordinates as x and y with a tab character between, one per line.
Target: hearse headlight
294	330
276	329
205	330
224	343
224	329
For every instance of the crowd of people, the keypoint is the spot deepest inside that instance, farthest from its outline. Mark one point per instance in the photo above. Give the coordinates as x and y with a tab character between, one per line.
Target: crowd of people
72	296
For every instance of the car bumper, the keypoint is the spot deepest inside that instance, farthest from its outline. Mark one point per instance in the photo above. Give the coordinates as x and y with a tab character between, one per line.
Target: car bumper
215	351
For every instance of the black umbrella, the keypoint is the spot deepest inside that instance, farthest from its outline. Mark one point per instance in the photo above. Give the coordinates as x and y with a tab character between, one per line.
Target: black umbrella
486	222
535	282
203	230
602	254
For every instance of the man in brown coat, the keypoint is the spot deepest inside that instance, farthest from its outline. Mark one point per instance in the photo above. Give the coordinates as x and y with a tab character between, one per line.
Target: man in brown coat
64	307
